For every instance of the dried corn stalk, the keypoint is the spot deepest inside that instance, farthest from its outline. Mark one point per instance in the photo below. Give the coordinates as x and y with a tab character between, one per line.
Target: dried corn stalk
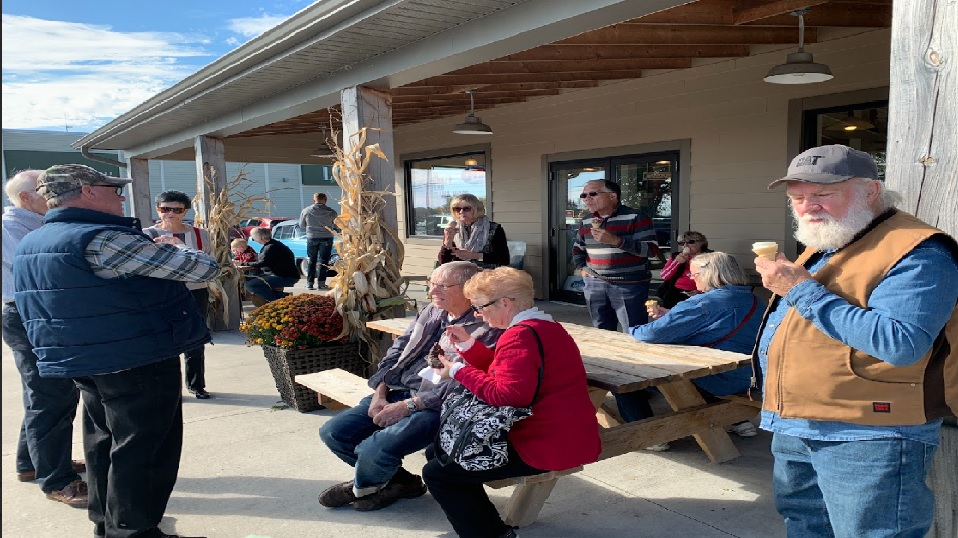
227	208
368	279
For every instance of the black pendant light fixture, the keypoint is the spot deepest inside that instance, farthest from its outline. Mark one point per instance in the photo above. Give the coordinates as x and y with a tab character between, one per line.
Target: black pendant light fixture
473	124
799	67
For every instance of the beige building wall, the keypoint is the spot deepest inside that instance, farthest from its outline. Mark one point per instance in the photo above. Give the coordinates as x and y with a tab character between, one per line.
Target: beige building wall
736	124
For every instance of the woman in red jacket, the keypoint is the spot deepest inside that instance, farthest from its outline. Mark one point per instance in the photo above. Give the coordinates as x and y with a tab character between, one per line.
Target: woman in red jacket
561	433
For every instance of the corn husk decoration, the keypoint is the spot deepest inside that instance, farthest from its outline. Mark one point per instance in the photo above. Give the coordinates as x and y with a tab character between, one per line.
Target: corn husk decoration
227	207
368	281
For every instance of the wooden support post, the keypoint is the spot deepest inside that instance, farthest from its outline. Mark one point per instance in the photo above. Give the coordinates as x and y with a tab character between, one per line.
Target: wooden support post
526	502
714	441
211	162
141	203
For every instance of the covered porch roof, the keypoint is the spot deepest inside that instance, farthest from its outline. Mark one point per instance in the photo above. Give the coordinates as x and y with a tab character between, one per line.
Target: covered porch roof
270	99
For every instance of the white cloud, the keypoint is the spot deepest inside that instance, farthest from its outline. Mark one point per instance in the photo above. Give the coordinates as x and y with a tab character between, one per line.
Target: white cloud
254	26
83	75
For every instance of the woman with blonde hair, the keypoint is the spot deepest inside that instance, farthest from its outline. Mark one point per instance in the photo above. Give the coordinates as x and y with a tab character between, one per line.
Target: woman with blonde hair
535	360
471	236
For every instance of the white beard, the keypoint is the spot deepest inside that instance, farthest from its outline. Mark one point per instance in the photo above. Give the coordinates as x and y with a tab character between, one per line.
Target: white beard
832	233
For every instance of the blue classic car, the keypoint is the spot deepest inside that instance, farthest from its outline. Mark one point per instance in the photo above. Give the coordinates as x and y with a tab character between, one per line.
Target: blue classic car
290	234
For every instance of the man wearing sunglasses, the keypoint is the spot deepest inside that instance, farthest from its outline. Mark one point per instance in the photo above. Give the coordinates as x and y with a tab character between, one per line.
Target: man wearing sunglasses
611	251
107	307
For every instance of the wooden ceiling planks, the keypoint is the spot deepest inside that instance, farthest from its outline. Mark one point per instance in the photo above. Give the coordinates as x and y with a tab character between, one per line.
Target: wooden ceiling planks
669	39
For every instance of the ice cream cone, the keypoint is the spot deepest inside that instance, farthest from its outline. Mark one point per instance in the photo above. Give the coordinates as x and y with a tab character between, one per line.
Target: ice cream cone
765	249
596	223
651	302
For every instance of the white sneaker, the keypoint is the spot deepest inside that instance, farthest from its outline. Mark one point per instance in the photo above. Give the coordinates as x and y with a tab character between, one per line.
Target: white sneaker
743	429
658	448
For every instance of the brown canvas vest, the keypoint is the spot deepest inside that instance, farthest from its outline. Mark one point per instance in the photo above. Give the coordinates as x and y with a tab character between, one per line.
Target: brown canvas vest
813	376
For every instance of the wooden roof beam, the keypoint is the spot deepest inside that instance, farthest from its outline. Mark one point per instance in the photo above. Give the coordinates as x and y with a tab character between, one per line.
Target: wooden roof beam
653	34
480	94
559	66
479	79
420	89
582	53
764	11
852	13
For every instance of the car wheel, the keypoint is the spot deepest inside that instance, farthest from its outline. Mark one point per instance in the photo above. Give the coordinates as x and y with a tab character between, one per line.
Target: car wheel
303	266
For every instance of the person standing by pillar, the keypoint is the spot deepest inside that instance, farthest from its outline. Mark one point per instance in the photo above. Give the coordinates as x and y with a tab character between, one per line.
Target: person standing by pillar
45	445
171	207
317	221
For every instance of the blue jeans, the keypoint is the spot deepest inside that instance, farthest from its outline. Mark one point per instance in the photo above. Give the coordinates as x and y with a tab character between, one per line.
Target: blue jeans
264	285
45	444
853	489
318	252
132	436
613	305
376	453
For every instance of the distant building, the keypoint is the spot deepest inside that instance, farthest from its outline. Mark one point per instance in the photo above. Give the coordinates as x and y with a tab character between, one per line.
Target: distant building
289	187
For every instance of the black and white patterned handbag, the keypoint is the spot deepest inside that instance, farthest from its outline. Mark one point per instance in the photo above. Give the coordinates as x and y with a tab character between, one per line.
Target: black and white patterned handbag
473	433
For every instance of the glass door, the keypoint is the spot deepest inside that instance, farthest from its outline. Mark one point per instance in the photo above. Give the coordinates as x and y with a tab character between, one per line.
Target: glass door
567	180
648	183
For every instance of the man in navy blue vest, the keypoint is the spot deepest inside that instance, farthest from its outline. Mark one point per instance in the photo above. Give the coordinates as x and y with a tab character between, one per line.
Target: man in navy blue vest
106	306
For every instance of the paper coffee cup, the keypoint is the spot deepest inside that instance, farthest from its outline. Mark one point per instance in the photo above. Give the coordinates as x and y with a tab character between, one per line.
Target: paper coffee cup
765	249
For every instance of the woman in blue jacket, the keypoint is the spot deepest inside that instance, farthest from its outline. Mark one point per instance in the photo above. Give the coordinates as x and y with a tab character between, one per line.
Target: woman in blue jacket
724	316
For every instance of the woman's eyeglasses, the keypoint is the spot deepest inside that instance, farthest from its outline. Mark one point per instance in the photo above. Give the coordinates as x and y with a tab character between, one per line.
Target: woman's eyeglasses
689	242
480	308
463	209
592	194
177	210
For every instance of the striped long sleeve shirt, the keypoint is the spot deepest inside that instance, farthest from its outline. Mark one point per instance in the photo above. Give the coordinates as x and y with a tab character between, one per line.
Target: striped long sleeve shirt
625	264
115	254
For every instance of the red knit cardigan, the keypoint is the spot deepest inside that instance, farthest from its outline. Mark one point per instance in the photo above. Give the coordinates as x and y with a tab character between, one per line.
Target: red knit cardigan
563	431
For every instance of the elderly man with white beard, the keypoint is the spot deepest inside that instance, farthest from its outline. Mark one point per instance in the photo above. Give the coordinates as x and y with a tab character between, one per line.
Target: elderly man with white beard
858	354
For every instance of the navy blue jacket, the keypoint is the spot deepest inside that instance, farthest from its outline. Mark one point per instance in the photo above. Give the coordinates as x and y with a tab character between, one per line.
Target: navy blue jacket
81	324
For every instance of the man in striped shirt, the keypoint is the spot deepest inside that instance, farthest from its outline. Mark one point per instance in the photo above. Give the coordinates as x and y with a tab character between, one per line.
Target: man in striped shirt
611	251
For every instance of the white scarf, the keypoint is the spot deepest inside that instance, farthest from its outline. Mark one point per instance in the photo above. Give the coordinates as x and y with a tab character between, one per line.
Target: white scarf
474	238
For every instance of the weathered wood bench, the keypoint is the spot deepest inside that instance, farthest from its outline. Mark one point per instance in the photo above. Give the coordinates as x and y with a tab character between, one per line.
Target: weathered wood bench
339	389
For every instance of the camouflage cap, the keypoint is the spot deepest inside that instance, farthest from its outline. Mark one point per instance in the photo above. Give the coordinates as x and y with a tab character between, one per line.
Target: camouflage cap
64	178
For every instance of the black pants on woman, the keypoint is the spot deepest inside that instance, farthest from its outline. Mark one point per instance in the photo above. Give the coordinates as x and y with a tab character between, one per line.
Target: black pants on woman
195	359
460	493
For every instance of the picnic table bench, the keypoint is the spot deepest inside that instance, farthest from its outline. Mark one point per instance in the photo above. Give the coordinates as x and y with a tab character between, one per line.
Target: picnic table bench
615	363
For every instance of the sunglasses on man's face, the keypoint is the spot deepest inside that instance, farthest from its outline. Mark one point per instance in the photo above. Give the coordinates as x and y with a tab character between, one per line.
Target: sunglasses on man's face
592	194
117	190
176	210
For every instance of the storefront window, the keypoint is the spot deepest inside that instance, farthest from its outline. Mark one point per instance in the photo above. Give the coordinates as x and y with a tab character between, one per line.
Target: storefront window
432	183
863	127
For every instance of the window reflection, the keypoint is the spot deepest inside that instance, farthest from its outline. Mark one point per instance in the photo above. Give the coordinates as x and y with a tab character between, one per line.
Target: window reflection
432	183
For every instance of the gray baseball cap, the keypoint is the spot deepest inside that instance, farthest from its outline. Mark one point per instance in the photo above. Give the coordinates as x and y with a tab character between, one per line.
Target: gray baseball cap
829	164
64	178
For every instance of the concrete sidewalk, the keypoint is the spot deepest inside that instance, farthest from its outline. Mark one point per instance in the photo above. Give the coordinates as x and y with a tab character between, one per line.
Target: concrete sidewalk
253	468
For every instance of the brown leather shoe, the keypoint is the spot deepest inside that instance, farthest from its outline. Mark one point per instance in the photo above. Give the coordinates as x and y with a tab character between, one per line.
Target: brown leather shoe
338	495
73	494
29	476
404	488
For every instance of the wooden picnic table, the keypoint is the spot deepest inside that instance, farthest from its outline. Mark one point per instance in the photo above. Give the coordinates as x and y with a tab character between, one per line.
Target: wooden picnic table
617	363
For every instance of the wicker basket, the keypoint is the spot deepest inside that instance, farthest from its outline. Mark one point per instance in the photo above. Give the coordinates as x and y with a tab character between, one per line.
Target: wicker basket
286	364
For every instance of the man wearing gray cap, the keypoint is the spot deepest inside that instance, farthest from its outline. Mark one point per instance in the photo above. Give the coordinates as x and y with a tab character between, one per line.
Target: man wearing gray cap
858	355
106	306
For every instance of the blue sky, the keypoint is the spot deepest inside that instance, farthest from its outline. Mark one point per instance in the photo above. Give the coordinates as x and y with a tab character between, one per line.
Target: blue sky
75	65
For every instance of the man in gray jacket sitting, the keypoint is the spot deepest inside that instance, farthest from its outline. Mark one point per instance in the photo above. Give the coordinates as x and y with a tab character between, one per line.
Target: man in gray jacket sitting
317	221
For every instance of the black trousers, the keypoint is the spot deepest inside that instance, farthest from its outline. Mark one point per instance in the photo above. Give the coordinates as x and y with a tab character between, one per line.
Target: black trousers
132	437
462	497
195	359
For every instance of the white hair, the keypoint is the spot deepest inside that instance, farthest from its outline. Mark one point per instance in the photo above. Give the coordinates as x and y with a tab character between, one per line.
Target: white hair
23	181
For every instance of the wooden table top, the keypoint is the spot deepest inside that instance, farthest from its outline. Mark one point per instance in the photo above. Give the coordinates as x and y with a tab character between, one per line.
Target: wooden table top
619	363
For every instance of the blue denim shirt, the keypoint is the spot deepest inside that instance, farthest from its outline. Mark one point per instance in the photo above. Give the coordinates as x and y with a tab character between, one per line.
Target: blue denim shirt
706	318
905	313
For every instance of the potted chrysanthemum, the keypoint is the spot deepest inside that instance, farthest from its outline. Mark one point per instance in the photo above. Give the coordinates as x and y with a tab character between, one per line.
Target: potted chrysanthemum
301	334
